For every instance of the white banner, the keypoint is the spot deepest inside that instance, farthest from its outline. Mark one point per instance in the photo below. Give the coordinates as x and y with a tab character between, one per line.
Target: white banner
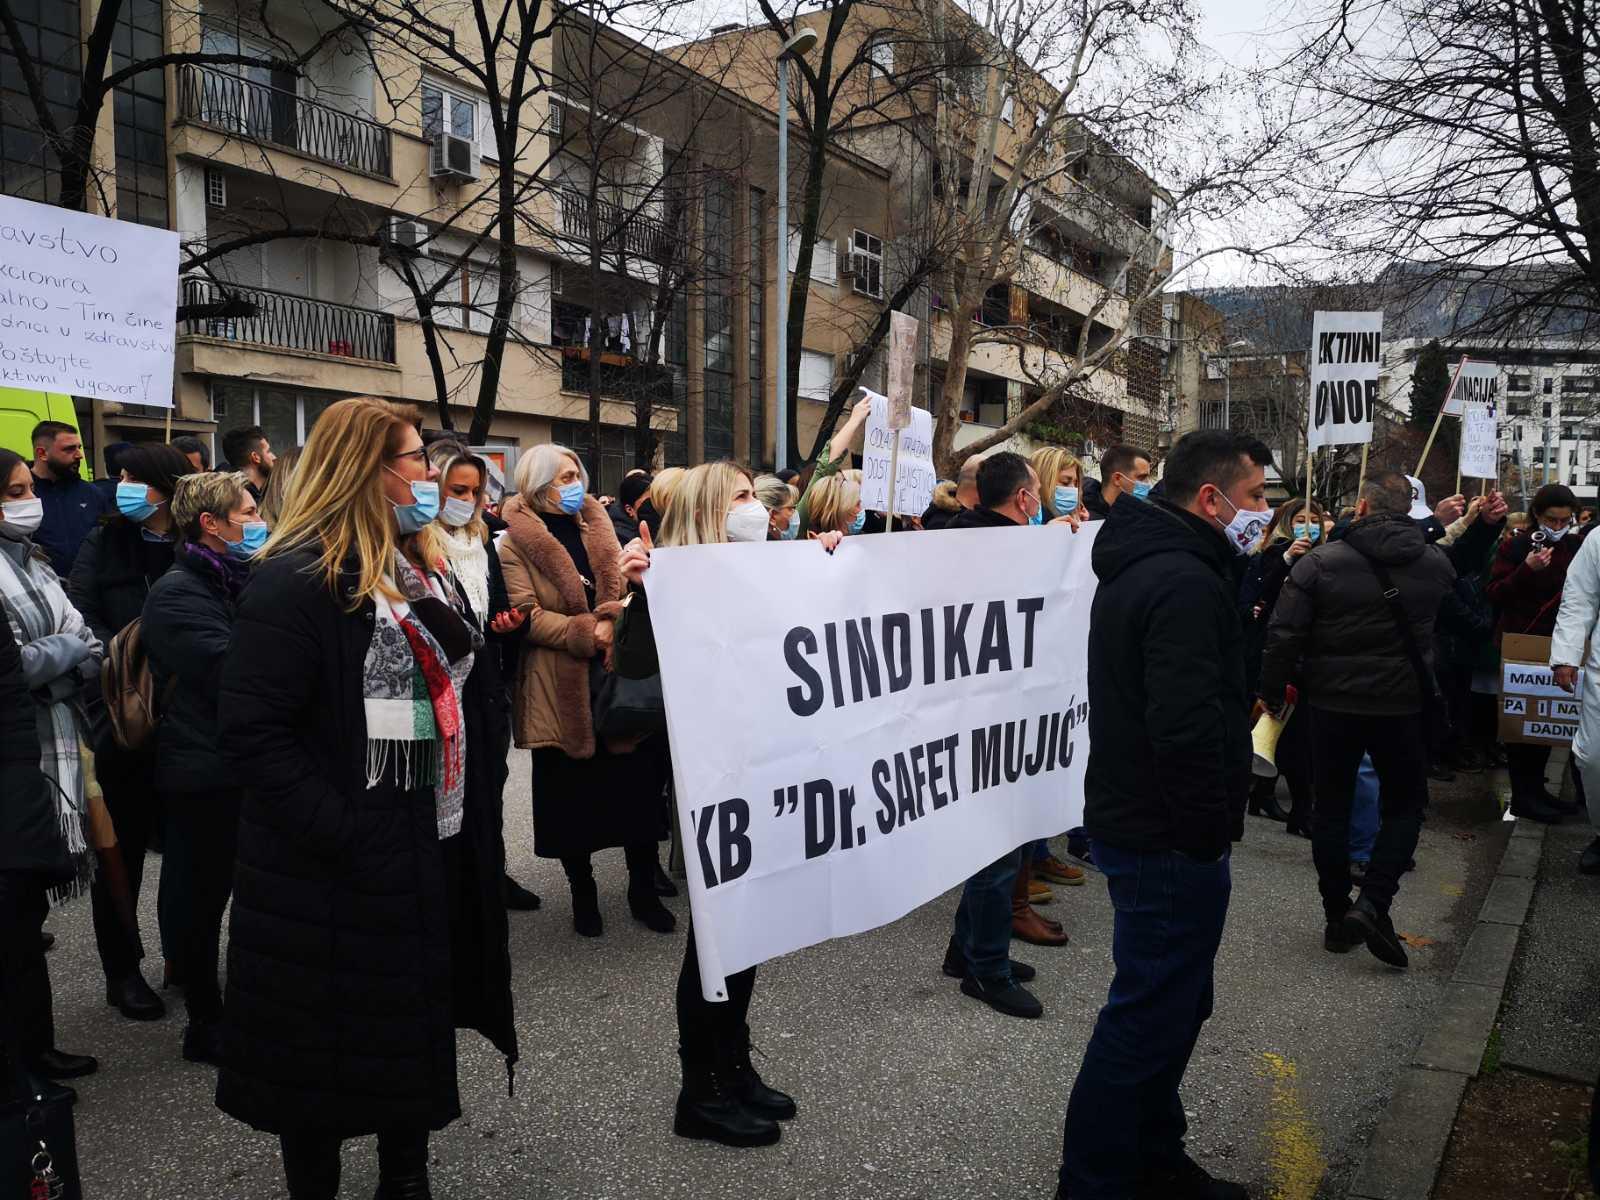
853	735
88	305
914	476
1476	393
1346	355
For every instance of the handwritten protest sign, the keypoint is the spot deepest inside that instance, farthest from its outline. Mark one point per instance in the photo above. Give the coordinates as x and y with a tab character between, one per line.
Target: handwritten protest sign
914	476
88	305
1477	392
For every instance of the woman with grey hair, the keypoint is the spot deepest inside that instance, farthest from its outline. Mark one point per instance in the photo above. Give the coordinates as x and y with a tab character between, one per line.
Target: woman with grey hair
560	557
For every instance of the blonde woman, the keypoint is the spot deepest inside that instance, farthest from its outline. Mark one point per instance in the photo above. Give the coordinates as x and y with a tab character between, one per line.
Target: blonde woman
559	554
835	506
723	1099
463	480
1060	481
277	489
653	509
359	939
779	499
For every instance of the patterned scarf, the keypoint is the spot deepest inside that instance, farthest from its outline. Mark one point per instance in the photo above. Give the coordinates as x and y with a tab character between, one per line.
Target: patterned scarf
416	733
36	606
229	572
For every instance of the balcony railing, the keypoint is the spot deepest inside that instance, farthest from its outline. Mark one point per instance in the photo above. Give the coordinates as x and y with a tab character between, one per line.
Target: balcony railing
282	118
290	322
616	229
629	382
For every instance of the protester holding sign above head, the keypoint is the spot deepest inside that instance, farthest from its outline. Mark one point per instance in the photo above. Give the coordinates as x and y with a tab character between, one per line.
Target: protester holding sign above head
830	462
1525	584
248	450
1124	471
72	505
1169	767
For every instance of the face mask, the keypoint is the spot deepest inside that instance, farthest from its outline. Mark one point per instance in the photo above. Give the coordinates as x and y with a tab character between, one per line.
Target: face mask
748	522
23	514
1554	535
1244	531
458	512
133	502
1309	532
255	537
572	497
793	531
1141	489
424	507
860	522
1038	515
1066	500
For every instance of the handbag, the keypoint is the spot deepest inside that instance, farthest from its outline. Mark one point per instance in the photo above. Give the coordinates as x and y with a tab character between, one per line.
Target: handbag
1435	710
38	1149
626	707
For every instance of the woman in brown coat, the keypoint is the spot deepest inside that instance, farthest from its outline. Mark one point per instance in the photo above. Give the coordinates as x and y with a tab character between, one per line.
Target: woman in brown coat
560	558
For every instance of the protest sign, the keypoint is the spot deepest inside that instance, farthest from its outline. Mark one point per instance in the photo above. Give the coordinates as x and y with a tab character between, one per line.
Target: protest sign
902	367
88	305
1346	355
843	753
1480	441
1533	708
1474	379
914	476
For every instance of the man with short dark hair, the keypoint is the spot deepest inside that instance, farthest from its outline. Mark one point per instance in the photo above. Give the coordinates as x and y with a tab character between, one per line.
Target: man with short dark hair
950	502
1165	791
194	450
248	450
1124	471
1354	622
72	505
624	510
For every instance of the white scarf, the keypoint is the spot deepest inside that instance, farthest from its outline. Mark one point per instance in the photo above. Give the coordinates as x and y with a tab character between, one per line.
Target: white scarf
469	563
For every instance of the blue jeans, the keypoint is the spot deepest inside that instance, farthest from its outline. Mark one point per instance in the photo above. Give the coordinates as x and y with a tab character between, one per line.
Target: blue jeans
983	918
1124	1118
1364	812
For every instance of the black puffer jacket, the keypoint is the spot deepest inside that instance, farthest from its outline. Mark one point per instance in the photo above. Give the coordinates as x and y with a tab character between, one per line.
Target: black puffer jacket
188	620
344	974
1169	742
30	830
115	569
1331	617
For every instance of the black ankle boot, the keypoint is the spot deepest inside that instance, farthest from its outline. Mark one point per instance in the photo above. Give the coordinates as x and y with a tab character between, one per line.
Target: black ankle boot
745	1083
403	1166
648	910
708	1109
404	1187
311	1167
586	907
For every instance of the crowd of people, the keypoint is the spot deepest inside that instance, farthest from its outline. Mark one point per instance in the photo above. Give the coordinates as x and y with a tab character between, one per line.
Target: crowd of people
301	677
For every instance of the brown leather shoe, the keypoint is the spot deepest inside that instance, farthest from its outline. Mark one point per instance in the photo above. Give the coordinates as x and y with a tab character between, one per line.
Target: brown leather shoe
1039	893
1056	871
1029	926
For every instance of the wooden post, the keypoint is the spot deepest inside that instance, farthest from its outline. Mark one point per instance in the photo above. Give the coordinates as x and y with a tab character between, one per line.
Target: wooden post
1439	418
168	436
894	465
1361	480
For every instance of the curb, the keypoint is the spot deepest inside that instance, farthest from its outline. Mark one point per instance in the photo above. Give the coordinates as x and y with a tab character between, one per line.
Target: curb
1403	1157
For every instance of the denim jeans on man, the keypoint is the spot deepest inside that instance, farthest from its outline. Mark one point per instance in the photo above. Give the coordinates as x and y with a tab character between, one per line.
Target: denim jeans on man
983	918
1124	1117
1399	753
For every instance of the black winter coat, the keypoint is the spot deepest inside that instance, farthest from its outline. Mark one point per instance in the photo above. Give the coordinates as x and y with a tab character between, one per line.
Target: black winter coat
627	528
1332	617
346	950
1258	596
188	619
1169	738
30	830
114	572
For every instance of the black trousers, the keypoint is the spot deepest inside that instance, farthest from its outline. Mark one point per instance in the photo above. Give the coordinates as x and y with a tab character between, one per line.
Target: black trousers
311	1160
1399	750
1294	764
1526	765
27	1026
128	780
708	1030
641	860
202	841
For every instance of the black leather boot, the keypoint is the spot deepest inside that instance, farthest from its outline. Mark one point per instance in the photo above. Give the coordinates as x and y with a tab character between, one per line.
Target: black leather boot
745	1083
311	1166
403	1166
708	1109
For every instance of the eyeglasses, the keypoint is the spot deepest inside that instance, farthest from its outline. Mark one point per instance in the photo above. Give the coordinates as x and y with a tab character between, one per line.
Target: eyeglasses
420	454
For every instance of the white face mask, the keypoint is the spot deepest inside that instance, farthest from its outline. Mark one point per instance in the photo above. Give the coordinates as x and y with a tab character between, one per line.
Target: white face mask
1551	535
457	512
23	514
1244	531
748	522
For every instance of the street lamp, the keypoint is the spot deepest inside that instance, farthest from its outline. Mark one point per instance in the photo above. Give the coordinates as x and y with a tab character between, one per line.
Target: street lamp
798	45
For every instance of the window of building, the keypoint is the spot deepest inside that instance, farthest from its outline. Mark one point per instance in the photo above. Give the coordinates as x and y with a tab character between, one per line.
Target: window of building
1547	406
824	269
1568	432
50	29
1519	383
216	188
285	416
816	374
139	108
1578	383
866	263
1549	385
1516	433
453	110
719	311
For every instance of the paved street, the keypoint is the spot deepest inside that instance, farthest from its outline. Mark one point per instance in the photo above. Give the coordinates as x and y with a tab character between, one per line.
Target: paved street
906	1088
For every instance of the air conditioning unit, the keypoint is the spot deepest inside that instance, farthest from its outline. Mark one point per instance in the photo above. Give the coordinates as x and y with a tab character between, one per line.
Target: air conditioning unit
453	158
413	235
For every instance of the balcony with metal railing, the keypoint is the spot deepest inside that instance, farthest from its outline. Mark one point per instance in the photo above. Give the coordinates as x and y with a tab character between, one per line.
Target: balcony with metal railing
617	230
278	117
288	322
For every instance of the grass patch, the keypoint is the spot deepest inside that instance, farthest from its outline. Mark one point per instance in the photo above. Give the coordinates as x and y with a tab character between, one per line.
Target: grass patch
1491	1053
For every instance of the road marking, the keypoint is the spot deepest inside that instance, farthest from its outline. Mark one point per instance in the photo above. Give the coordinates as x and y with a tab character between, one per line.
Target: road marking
1295	1164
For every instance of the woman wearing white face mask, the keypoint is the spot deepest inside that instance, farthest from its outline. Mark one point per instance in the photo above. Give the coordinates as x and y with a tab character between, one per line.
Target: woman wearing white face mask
560	555
44	851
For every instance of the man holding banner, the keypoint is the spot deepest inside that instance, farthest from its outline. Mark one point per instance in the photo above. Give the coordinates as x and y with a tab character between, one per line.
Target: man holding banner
1168	776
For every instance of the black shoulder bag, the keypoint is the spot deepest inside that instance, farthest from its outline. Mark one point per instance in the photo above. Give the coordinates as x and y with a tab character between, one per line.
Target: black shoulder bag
1435	710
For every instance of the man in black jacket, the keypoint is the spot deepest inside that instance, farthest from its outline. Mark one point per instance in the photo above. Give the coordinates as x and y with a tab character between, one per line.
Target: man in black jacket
979	950
944	512
1368	684
1168	775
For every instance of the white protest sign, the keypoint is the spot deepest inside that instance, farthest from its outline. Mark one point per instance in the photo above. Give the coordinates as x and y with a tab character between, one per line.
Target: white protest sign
1472	378
914	476
1346	355
854	734
902	367
1476	393
88	305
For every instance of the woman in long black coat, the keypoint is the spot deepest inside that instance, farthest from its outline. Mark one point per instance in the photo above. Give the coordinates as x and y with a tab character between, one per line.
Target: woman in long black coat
362	931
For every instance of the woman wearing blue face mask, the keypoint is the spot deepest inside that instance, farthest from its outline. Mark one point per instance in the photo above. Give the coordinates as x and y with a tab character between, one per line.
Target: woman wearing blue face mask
780	500
1060	481
835	507
117	565
188	621
560	555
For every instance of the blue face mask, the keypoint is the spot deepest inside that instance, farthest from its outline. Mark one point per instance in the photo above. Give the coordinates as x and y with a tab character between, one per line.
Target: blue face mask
1310	532
572	497
424	507
255	537
793	531
1141	489
133	501
1038	516
860	522
1066	500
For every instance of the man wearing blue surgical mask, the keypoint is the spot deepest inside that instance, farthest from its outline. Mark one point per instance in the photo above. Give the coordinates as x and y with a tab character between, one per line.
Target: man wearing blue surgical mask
1124	471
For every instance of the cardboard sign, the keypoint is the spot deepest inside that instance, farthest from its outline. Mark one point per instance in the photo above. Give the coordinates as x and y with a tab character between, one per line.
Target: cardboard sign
1533	709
